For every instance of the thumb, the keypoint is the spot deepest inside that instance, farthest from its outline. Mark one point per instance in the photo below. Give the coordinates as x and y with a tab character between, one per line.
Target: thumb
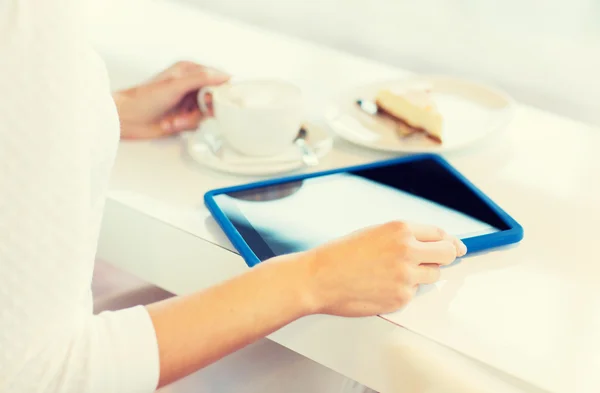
142	131
180	122
179	87
168	126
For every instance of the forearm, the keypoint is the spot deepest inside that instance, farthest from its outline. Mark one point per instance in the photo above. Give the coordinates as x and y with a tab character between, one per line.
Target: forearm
197	330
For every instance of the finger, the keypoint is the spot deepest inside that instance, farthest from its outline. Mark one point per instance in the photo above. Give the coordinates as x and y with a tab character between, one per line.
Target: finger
195	81
441	252
189	103
168	94
208	103
427	274
183	121
427	233
138	132
430	233
461	248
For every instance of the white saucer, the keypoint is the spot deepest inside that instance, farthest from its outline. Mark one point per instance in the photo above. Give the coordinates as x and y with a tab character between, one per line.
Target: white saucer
201	146
470	111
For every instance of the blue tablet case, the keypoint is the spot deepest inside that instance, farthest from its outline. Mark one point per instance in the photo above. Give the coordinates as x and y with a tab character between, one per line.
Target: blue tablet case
474	244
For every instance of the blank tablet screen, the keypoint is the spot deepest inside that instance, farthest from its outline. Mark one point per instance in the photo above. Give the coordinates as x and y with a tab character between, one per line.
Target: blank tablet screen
298	215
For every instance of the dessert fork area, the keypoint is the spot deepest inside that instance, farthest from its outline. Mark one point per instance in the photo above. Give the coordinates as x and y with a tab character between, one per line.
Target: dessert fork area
520	319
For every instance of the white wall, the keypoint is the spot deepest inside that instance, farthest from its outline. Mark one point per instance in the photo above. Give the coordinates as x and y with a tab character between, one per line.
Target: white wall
544	52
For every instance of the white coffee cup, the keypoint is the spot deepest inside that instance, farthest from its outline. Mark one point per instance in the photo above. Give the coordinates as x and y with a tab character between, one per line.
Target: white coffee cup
256	117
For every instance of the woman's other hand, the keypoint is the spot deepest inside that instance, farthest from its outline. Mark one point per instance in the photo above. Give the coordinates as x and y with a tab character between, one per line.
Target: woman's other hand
166	104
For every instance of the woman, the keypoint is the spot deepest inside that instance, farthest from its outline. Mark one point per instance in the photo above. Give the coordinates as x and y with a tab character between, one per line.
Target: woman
59	128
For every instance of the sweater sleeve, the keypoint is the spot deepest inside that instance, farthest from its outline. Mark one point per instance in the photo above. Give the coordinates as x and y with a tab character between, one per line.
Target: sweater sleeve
58	135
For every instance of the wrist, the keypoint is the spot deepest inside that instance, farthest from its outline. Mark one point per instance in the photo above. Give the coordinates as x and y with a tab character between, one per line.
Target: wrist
299	279
120	99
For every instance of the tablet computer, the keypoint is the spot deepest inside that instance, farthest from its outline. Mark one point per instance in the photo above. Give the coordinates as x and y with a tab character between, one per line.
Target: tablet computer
280	216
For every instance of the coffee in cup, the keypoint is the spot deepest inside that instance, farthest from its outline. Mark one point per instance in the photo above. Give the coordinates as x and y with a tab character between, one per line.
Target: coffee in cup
256	117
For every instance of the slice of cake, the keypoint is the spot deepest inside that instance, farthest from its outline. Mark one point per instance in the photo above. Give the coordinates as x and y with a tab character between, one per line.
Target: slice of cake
414	107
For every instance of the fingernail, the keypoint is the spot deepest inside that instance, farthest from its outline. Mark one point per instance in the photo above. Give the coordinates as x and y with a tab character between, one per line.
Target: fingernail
166	125
463	249
182	123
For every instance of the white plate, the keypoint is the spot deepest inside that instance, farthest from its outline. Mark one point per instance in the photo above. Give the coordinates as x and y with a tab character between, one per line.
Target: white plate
202	143
470	111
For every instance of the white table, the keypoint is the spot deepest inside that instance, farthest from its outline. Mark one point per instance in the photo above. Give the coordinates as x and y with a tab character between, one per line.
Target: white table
523	319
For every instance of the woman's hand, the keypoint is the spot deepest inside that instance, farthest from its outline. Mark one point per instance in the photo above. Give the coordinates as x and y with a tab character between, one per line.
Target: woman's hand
373	271
377	270
166	104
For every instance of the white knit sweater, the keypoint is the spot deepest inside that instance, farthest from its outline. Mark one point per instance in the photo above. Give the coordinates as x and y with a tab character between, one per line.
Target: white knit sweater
58	135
